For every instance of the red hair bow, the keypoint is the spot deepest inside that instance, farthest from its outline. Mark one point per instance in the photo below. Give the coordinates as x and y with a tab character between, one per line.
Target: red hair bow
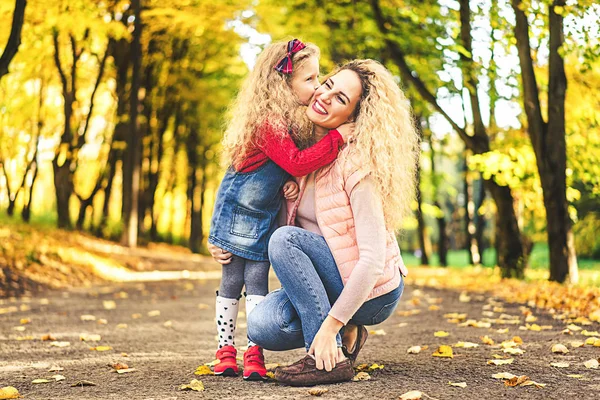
285	64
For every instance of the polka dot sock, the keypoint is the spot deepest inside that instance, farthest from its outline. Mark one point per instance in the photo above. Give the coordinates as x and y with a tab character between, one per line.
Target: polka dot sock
252	301
227	312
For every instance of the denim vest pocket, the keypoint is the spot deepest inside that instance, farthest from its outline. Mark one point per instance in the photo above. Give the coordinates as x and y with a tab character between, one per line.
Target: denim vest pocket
248	223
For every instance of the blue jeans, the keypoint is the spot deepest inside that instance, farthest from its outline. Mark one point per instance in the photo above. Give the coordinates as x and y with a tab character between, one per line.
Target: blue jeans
290	317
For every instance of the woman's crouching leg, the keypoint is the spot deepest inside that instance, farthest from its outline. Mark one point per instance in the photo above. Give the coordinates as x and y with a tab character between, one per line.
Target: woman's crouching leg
274	324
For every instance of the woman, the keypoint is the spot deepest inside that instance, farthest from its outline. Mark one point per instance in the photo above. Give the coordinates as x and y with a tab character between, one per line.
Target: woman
341	266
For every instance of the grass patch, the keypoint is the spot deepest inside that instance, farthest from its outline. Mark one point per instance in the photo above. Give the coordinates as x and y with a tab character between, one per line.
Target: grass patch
539	259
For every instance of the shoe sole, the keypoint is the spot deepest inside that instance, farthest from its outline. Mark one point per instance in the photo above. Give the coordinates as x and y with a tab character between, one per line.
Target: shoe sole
255	376
227	372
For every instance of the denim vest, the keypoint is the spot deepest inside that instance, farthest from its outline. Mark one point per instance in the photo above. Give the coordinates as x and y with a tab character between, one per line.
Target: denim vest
246	208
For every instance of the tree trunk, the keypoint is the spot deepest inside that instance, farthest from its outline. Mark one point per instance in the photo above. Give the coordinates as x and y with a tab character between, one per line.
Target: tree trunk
120	53
512	250
443	237
470	210
63	185
421	221
480	224
131	170
548	139
14	40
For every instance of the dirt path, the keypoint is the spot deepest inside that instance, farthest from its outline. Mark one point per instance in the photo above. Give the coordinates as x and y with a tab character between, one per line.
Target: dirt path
166	356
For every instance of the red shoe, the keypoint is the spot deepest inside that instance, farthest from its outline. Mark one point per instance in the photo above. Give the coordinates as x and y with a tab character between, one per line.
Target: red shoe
254	364
227	365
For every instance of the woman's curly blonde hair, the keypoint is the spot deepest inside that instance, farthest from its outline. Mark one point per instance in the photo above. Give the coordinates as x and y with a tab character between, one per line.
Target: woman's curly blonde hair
386	143
266	96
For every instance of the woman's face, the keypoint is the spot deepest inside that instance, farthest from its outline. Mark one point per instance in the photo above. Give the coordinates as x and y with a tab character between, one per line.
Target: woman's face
306	79
335	100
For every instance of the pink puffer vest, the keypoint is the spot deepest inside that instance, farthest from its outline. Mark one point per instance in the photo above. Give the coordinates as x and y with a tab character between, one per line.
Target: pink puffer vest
333	185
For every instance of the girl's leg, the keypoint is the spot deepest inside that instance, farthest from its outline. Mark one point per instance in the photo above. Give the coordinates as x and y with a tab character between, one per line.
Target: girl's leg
302	261
256	278
227	302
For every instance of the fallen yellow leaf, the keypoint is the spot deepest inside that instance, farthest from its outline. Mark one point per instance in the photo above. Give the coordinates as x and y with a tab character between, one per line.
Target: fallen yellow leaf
35	381
58	378
88	317
500	362
464	297
516	380
109	304
125	371
503	375
588	333
119	366
444	351
375	367
89	338
576	344
154	313
505	330
537	385
560	348
441	334
9	392
466	345
203	370
592	364
487	340
25	321
195	384
317	391
513	351
412	395
455	316
414	350
361	376
458	384
517	339
60	344
378	332
101	348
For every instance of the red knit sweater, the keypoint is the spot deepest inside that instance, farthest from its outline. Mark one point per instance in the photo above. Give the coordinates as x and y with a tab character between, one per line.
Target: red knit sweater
286	154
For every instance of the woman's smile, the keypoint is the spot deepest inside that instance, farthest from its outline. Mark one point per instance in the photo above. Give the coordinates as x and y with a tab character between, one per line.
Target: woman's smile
319	108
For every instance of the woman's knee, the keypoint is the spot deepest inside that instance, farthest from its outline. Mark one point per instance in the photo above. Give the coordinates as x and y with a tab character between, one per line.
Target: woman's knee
280	241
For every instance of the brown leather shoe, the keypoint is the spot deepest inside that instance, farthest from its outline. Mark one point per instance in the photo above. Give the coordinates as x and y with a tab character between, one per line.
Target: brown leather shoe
305	373
361	338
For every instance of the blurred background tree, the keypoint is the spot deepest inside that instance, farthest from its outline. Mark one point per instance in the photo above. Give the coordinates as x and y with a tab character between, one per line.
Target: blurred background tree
111	115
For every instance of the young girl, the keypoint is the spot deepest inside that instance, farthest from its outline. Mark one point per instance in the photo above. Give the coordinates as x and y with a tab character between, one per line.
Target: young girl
260	140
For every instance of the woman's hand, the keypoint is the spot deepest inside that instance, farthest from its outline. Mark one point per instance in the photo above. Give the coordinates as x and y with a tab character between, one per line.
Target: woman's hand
291	190
324	347
221	256
347	131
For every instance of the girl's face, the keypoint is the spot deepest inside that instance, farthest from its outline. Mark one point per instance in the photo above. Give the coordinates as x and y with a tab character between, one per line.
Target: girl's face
306	79
335	100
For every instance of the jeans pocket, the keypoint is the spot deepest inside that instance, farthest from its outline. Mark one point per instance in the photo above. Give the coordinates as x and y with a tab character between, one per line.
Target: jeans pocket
246	223
385	312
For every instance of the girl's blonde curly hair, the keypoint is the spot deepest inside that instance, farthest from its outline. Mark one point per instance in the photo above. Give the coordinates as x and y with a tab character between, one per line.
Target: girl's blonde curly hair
386	143
266	96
